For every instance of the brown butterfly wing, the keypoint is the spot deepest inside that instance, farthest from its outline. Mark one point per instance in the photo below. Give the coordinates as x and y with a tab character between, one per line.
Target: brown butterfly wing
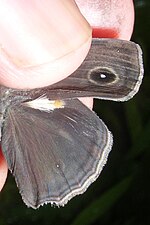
54	155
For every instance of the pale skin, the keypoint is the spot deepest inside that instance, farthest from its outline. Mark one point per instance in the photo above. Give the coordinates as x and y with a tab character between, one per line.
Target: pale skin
60	40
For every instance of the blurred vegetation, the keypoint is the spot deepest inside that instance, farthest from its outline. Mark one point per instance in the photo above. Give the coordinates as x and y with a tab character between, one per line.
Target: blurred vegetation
121	196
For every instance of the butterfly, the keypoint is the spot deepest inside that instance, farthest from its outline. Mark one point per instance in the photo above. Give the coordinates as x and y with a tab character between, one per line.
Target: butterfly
53	144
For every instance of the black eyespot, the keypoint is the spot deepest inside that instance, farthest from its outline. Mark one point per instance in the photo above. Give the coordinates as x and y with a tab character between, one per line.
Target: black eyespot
102	76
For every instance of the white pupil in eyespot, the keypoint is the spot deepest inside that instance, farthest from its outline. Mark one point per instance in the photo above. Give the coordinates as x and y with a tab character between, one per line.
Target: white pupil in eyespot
103	76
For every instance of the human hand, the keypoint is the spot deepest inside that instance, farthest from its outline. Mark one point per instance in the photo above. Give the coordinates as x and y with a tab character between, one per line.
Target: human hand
54	33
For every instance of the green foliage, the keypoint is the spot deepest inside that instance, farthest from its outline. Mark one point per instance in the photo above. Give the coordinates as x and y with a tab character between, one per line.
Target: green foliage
101	205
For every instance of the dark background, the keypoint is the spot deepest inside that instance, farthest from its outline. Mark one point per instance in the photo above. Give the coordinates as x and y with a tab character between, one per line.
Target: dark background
121	195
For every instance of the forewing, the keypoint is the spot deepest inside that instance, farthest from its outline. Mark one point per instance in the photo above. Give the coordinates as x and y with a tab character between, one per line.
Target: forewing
112	70
54	155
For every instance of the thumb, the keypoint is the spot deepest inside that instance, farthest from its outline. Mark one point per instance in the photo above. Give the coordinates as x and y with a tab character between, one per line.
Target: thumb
41	42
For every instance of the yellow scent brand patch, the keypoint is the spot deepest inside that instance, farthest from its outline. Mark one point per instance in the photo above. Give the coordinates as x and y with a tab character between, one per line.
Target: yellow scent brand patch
44	104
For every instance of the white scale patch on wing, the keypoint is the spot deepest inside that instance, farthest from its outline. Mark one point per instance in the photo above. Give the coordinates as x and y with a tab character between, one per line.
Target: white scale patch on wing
44	104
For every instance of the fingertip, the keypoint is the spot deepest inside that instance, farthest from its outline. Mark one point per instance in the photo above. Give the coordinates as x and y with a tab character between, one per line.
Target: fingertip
109	19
